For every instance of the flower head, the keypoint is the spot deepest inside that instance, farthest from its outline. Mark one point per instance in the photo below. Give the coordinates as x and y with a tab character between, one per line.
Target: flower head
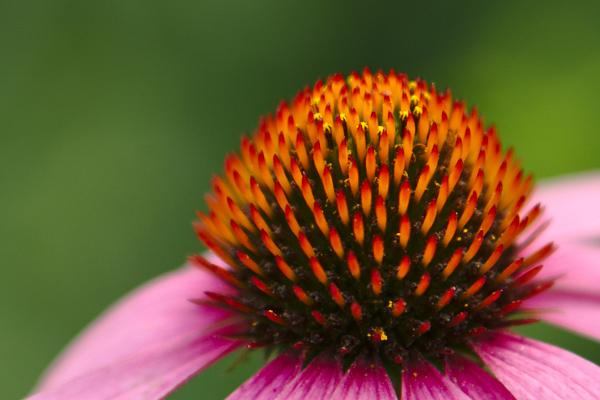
374	234
376	216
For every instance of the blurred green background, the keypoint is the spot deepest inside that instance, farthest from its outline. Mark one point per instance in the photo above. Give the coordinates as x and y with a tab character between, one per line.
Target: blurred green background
115	114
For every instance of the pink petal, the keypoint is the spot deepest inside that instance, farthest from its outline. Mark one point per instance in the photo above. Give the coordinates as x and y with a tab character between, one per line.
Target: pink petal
579	312
152	373
317	381
271	379
571	203
421	381
474	380
576	266
155	319
535	370
366	380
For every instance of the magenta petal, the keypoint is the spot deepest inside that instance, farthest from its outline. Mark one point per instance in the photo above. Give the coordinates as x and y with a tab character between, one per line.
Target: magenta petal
579	312
366	380
571	203
576	266
151	374
142	324
536	370
271	379
421	381
474	380
317	381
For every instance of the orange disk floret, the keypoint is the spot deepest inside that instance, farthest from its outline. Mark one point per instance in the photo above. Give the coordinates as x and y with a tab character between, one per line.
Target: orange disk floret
372	210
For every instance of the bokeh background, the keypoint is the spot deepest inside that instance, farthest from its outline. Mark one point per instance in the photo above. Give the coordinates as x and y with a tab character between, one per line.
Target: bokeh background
115	114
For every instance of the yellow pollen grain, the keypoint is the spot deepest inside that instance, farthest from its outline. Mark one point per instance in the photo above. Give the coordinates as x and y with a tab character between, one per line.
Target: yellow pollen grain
382	335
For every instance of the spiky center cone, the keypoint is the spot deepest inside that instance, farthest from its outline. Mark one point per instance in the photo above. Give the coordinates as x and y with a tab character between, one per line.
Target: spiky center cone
373	213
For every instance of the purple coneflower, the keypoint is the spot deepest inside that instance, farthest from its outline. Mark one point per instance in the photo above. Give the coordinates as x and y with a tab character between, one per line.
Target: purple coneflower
373	236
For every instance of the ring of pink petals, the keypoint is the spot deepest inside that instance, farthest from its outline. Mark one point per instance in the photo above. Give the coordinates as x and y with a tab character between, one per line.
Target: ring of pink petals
154	340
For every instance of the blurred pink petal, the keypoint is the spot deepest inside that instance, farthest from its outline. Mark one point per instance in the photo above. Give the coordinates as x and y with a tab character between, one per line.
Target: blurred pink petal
365	380
576	266
152	373
571	203
579	312
574	302
476	382
271	379
535	370
155	320
421	381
